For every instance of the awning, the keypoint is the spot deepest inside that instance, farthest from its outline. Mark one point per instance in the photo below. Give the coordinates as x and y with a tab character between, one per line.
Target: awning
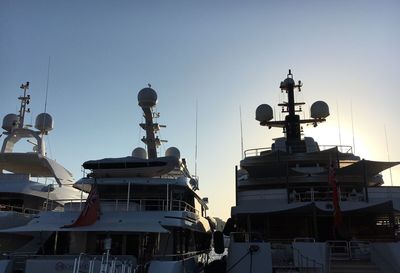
261	207
113	221
357	207
36	165
371	168
265	206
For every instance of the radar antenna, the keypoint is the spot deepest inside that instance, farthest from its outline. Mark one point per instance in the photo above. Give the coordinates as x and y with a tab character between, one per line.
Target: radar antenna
25	99
292	123
147	98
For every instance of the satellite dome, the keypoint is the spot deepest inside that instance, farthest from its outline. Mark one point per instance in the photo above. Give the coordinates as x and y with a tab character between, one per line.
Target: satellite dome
139	152
319	109
286	83
44	122
264	113
147	97
10	121
173	151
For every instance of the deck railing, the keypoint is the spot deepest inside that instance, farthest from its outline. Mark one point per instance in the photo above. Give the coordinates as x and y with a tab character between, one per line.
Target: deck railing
257	151
349	250
310	195
18	209
131	205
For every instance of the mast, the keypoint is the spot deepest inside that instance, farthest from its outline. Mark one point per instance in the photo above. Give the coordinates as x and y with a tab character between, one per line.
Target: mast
292	123
24	102
15	129
147	98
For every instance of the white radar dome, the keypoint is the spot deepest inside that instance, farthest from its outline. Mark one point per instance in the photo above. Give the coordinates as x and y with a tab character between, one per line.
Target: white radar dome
10	122
44	122
147	97
139	152
173	151
264	113
319	109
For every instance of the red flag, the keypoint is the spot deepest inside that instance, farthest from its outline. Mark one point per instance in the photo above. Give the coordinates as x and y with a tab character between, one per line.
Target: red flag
335	196
91	211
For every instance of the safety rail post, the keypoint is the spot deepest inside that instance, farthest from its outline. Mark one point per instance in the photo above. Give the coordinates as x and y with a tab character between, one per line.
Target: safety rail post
102	263
74	268
123	267
91	265
77	263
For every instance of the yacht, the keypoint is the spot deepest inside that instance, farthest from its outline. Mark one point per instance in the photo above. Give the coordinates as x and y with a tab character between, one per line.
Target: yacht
29	181
305	207
142	214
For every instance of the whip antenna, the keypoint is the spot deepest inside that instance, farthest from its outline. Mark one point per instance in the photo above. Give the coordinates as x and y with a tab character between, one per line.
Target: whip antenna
352	126
338	120
195	148
388	157
241	130
47	85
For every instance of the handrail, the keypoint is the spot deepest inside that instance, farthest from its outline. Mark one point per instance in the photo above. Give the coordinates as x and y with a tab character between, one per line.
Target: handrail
18	209
108	264
347	149
255	151
338	250
307	260
308	194
182	255
135	204
359	250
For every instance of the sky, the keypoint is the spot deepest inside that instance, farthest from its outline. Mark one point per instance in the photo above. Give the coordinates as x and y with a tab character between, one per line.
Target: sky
224	56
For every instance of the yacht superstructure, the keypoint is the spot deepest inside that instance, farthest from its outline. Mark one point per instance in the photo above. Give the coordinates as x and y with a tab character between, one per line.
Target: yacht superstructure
142	215
29	181
301	207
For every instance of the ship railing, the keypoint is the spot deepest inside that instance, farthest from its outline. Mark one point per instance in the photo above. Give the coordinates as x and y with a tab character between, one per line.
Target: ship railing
349	250
360	250
310	195
257	151
285	257
18	209
82	263
307	264
108	264
346	149
132	205
180	256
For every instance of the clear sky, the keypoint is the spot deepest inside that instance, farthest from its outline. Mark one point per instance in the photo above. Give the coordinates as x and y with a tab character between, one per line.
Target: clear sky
224	55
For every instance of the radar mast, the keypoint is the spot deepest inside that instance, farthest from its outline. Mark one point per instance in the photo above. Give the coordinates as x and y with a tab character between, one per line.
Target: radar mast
147	99
292	123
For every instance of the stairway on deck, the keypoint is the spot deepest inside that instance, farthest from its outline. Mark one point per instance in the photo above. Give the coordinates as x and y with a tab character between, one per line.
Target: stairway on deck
353	266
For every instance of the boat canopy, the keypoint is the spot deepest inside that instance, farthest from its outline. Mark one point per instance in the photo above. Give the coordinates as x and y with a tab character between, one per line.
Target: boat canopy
367	167
131	166
257	206
35	165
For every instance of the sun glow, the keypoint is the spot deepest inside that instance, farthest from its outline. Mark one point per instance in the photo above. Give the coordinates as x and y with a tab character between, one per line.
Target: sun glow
327	135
